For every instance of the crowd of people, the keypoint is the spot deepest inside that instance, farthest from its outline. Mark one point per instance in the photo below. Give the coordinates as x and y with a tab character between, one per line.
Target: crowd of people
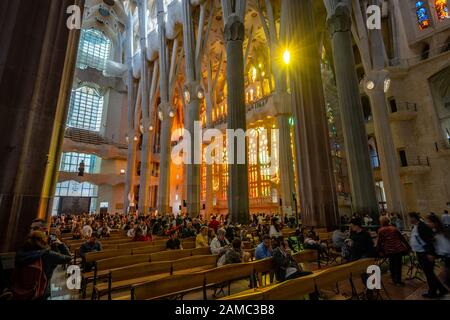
429	239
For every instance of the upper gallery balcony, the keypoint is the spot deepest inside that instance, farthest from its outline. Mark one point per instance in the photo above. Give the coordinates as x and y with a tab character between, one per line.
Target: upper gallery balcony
404	111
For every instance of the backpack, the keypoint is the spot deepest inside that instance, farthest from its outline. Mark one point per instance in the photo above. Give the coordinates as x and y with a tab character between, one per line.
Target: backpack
29	282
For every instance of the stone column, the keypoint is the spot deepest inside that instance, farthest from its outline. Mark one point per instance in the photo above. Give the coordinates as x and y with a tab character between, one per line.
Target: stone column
166	113
131	130
193	110
146	113
390	170
238	201
355	138
318	200
36	74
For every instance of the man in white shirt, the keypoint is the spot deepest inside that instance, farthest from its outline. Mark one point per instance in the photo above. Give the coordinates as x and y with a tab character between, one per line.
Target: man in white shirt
219	244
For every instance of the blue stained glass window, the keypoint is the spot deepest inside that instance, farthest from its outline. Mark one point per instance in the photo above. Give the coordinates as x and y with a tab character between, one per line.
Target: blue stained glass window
422	15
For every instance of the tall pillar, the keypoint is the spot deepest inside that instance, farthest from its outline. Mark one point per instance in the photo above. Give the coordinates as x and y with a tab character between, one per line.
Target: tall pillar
355	138
147	134
193	110
318	200
36	75
166	113
238	201
131	128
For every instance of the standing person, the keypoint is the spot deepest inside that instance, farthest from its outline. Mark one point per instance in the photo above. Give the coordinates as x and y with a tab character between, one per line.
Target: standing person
442	243
35	264
214	224
422	243
392	244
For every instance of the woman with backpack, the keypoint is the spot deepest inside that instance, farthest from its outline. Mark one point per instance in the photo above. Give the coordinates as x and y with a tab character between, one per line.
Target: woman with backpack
34	268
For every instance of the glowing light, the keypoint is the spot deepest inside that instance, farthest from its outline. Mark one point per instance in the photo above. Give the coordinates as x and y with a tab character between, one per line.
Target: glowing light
370	85
387	85
287	57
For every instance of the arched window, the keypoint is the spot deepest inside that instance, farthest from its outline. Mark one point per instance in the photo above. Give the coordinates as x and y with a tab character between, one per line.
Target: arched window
86	107
441	9
70	162
94	50
73	189
423	17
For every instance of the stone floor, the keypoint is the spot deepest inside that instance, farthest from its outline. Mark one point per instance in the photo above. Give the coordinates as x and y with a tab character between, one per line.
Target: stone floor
412	291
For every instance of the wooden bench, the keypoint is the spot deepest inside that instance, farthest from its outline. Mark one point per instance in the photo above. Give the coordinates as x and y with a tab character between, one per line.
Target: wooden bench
193	264
124	278
225	275
200	251
170	255
294	289
167	287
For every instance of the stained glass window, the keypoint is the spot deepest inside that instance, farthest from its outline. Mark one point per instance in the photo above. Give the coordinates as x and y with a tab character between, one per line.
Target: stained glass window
441	9
422	15
86	107
94	50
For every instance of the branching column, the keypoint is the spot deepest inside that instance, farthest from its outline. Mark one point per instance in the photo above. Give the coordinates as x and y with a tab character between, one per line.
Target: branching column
316	180
356	143
238	201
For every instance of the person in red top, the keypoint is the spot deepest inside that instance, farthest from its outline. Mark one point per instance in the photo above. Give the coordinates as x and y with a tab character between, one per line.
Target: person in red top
214	224
393	245
139	235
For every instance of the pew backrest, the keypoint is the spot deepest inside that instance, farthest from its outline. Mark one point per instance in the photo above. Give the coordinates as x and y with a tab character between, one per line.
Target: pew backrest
229	272
105	254
201	251
121	261
194	262
167	287
149	249
140	270
170	255
291	290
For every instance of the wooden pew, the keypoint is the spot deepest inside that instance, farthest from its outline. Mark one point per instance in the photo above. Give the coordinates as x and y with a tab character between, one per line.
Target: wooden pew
200	251
167	287
149	249
170	255
124	278
225	275
295	289
193	264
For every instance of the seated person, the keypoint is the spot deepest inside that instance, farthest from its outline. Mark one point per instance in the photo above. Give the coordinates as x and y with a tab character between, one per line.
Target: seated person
361	244
313	242
188	231
219	244
77	235
233	254
91	245
201	241
140	236
338	238
104	232
264	251
286	268
131	230
58	246
174	243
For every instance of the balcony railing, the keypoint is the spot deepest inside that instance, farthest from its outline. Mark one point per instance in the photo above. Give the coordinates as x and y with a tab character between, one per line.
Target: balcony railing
416	162
258	104
421	57
405	106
